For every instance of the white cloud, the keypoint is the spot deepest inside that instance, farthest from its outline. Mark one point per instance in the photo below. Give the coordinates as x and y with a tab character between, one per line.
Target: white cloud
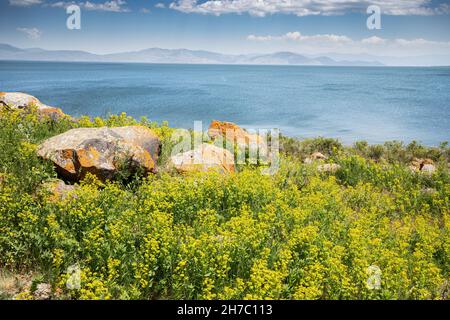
111	6
61	4
298	37
31	33
160	5
262	8
24	3
373	40
145	10
323	43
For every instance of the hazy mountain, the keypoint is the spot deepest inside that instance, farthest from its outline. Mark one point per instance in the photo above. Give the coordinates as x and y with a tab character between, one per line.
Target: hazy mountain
424	60
157	55
8	52
279	58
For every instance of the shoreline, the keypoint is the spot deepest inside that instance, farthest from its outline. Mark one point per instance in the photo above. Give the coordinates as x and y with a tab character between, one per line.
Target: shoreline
310	136
225	64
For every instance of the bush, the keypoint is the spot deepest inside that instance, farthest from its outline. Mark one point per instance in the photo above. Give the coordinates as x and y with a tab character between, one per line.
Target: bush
298	234
304	148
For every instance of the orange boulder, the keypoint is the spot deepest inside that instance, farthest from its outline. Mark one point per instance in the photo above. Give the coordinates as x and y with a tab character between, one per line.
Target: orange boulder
102	151
234	133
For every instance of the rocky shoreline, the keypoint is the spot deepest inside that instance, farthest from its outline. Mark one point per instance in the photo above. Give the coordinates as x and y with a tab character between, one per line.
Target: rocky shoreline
105	151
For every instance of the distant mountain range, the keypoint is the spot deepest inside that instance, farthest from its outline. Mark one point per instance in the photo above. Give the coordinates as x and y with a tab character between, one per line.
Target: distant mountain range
157	55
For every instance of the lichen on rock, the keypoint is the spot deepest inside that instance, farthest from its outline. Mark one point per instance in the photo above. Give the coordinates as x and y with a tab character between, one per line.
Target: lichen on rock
23	101
102	151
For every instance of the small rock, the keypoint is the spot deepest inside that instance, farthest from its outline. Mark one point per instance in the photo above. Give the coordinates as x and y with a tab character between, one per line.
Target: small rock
19	100
206	157
57	190
314	156
318	156
43	291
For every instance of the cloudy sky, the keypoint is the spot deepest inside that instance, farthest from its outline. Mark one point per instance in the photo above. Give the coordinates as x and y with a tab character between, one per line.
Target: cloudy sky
408	27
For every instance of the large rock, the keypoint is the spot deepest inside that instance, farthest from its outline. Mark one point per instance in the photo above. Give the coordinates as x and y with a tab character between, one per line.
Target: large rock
236	134
102	151
19	100
206	157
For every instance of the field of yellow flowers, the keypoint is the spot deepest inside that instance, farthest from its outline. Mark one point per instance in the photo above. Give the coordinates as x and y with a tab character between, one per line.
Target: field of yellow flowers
372	230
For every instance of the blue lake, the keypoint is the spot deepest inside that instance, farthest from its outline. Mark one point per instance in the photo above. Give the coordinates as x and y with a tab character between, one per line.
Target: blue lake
350	103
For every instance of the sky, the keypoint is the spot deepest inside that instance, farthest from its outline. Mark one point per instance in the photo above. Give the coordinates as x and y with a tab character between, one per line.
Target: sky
408	27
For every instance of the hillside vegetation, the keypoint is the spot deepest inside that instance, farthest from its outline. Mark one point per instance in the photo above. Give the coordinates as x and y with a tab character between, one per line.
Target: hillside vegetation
372	229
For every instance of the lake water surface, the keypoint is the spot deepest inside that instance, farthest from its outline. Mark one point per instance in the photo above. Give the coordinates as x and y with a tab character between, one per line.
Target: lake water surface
350	103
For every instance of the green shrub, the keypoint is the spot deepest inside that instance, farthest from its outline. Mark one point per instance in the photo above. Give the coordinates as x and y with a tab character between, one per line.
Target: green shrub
304	148
299	234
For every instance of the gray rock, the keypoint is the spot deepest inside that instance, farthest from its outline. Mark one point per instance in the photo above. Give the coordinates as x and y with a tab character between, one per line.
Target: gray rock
314	157
102	151
428	169
19	100
43	291
206	157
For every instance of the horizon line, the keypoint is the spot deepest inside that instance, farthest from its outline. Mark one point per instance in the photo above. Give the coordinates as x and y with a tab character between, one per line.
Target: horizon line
223	64
229	54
